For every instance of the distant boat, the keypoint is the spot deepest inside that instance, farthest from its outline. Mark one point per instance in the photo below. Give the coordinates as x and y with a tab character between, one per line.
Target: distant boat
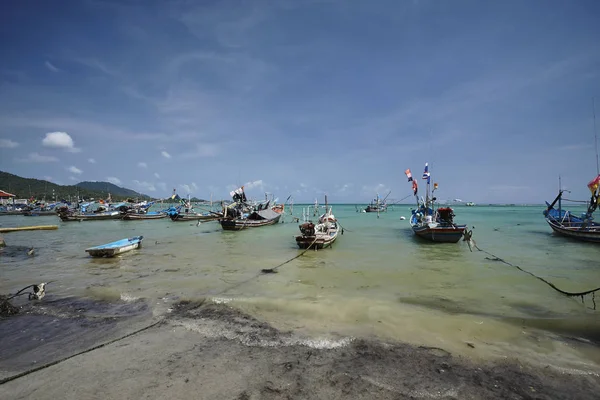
114	248
429	223
377	205
321	235
469	204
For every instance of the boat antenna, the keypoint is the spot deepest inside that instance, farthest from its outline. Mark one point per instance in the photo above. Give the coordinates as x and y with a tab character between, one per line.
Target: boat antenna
595	135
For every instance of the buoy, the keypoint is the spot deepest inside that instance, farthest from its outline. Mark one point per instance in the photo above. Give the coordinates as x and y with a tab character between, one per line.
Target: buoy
402	218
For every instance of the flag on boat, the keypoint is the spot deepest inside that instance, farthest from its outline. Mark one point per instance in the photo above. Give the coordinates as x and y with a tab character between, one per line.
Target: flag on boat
435	186
415	187
408	175
238	194
594	184
426	174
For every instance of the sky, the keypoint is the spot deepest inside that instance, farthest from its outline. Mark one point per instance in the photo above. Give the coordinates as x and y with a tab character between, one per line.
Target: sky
303	97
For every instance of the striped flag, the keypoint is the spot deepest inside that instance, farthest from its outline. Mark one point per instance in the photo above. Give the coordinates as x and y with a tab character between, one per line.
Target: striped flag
426	174
408	175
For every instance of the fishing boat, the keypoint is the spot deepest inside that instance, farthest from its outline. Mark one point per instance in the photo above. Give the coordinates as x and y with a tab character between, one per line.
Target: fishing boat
321	235
144	216
115	248
185	212
429	223
104	211
101	216
377	205
565	223
242	214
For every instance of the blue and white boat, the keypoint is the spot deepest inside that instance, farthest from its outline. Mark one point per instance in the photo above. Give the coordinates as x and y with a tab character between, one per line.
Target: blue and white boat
114	248
582	227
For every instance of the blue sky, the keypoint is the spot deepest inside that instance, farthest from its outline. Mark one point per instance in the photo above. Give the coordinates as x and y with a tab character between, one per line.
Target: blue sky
303	97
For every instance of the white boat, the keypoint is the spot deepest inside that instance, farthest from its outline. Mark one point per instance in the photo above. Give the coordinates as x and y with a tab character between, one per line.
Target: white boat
114	248
321	235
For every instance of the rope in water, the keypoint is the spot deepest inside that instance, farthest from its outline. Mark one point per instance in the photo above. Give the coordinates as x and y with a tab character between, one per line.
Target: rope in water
50	364
269	270
471	242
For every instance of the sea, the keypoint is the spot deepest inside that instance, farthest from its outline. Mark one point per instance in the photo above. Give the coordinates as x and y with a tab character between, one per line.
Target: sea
377	281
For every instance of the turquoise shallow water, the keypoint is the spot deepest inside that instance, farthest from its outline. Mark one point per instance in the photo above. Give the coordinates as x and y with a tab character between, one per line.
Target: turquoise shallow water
378	279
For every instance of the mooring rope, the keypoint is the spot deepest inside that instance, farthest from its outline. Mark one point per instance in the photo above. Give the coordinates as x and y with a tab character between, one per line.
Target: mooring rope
41	367
468	235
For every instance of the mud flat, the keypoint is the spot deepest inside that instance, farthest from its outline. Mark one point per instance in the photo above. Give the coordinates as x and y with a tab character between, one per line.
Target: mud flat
213	351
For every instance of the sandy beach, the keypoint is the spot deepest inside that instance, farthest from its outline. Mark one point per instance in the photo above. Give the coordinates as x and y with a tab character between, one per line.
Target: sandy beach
213	351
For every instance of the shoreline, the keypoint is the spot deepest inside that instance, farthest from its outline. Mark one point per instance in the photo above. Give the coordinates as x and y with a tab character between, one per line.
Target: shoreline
216	351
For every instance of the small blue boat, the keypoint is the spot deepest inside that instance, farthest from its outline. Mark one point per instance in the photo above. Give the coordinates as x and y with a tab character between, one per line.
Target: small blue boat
114	248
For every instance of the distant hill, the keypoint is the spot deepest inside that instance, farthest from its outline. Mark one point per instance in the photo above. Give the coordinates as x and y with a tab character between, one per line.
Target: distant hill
25	188
107	187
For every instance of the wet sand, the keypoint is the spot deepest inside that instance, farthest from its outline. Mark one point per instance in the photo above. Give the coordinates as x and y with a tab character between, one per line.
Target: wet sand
210	351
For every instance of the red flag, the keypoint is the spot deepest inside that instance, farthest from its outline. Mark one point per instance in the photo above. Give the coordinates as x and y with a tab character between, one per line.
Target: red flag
415	187
594	184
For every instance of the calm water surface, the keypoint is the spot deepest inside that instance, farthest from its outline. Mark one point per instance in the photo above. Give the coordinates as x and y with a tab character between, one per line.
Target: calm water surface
377	280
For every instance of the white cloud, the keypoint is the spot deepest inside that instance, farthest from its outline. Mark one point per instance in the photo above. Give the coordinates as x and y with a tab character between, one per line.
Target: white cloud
147	186
72	178
8	144
157	175
48	178
113	180
73	169
186	188
142	164
162	186
51	67
254	184
194	185
92	161
38	158
165	154
60	140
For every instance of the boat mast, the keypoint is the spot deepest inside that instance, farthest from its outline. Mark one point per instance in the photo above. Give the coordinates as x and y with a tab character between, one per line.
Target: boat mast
595	135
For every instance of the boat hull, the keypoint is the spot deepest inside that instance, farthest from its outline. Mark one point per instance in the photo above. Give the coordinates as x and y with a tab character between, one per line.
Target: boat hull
440	234
115	248
316	242
137	217
239	224
92	217
375	209
199	217
575	231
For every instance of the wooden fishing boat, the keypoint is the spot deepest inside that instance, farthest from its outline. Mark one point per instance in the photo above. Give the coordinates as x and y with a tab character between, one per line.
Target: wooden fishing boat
115	248
101	216
242	214
321	235
436	226
254	219
427	222
567	224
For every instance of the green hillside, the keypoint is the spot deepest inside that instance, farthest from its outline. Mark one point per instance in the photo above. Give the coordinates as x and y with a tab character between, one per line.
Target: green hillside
107	187
28	187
